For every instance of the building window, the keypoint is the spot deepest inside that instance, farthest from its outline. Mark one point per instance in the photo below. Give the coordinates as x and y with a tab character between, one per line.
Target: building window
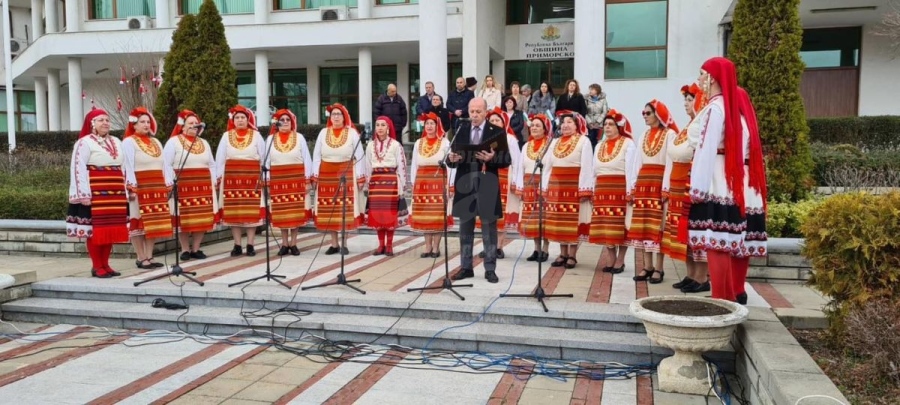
454	70
311	4
831	47
555	72
25	114
382	76
340	85
636	39
539	11
384	2
289	91
224	6
246	86
112	9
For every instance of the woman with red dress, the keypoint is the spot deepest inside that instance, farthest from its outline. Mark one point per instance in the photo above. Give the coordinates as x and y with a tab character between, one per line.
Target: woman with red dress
528	185
429	181
508	199
290	167
386	182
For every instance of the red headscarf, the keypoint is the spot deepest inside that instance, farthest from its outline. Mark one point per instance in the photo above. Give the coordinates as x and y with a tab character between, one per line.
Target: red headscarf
757	164
663	114
503	117
700	99
239	109
275	127
723	71
347	121
548	126
621	122
88	127
182	117
390	124
437	120
133	118
580	123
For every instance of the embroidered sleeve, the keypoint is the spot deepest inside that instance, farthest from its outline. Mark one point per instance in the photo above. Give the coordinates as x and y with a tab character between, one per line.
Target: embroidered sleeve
586	179
703	166
667	173
401	167
360	165
515	155
128	147
414	162
370	155
79	183
519	178
630	161
636	166
307	159
221	153
266	157
317	155
168	156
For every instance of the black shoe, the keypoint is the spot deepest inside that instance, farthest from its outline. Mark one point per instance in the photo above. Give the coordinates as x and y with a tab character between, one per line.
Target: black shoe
332	250
464	274
662	275
500	254
198	255
534	256
696	287
236	251
643	277
105	274
284	250
251	251
185	256
481	255
378	252
544	257
389	251
425	255
138	264
572	264
742	298
617	270
157	264
686	281
143	266
436	254
295	251
491	276
114	273
607	269
689	287
345	251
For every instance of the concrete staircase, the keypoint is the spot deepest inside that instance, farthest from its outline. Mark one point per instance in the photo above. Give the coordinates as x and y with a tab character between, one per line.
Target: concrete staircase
570	331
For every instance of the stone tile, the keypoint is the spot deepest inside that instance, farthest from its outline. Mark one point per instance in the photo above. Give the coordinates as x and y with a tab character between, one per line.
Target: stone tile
800	318
303	362
248	372
668	398
195	400
546	383
544	397
243	402
289	375
271	357
221	388
263	391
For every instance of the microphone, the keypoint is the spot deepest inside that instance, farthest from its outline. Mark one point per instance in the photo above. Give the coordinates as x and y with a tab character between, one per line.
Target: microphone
200	125
464	119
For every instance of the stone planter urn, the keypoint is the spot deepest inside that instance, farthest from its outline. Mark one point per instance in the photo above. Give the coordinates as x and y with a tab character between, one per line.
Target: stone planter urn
689	326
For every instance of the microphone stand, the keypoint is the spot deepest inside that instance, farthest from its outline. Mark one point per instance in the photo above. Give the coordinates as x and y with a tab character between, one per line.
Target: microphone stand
539	292
341	277
176	270
447	284
263	175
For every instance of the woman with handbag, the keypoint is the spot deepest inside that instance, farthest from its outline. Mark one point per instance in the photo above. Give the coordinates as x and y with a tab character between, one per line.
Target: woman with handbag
386	182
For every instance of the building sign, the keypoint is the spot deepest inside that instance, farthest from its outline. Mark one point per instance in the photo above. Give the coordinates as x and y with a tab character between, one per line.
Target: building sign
547	41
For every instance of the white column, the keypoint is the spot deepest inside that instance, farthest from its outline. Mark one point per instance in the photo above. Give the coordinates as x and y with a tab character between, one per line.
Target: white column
40	101
590	46
163	18
365	85
476	51
53	111
364	9
51	15
433	46
498	70
76	104
262	88
37	25
260	11
73	24
312	96
403	92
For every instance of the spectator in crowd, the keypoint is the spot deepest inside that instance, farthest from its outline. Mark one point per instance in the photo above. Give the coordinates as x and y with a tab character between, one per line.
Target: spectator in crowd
391	105
437	107
543	101
424	104
597	109
572	99
517	92
458	102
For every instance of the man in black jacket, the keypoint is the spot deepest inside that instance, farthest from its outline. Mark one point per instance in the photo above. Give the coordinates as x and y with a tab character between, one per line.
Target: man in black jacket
477	190
391	105
458	102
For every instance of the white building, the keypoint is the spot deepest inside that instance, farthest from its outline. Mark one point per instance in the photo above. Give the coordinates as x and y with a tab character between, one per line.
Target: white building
287	56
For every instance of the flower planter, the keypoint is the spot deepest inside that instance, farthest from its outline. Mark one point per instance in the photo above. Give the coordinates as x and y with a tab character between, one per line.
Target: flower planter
689	326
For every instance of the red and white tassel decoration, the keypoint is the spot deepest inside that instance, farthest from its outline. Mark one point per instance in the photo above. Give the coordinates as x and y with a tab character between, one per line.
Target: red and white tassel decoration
118	103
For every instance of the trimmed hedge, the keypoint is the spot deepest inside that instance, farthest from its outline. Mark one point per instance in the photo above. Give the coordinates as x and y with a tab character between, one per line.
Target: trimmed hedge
874	132
784	219
34	194
828	158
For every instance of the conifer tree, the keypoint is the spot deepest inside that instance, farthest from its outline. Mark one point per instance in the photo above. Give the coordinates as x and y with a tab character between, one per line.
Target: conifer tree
765	47
168	102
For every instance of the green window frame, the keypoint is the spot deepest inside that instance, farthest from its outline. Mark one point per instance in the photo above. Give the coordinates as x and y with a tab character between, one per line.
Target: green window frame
637	39
340	85
310	4
224	6
26	110
118	9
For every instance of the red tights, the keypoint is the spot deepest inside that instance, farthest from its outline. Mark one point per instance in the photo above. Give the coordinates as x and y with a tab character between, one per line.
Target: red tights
385	238
99	255
727	274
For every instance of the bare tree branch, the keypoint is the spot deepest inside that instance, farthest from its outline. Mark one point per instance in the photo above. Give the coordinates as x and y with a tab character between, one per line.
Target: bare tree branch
889	28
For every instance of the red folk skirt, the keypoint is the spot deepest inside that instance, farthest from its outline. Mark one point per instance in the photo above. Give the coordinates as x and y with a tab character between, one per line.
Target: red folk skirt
287	190
329	205
608	215
105	220
384	198
528	221
646	220
675	235
428	212
241	198
195	201
155	221
564	207
503	175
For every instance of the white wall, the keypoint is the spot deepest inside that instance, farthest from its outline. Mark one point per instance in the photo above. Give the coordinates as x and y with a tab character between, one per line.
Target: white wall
878	84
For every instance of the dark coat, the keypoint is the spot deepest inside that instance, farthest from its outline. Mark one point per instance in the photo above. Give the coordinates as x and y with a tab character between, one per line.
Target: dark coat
576	103
459	100
445	116
423	106
517	124
393	108
478	193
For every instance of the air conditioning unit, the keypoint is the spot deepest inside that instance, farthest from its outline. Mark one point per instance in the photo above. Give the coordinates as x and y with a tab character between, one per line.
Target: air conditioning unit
17	45
139	22
334	13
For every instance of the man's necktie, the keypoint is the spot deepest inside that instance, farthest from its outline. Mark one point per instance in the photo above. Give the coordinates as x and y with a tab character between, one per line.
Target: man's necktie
476	135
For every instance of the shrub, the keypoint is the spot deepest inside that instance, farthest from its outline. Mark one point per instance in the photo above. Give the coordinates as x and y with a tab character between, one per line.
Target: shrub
765	47
34	203
873	331
876	132
846	166
784	219
47	140
852	243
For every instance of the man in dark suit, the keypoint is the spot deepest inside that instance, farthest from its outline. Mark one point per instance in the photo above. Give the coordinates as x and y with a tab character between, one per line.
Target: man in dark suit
477	190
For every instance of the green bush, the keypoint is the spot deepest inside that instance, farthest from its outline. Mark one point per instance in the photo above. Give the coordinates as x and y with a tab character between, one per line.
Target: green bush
852	243
34	203
874	132
784	219
47	140
845	165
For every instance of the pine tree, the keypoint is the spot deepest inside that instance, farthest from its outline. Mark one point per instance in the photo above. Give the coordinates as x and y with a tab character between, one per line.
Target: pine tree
168	102
211	91
765	47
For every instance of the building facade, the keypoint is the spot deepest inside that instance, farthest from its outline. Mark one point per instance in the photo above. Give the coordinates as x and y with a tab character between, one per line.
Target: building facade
306	54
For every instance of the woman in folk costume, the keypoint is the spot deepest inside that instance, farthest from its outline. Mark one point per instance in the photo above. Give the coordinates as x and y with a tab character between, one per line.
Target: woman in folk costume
676	181
238	163
191	160
569	188
613	167
728	182
429	180
98	206
290	168
508	199
149	182
386	182
645	193
338	153
528	184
